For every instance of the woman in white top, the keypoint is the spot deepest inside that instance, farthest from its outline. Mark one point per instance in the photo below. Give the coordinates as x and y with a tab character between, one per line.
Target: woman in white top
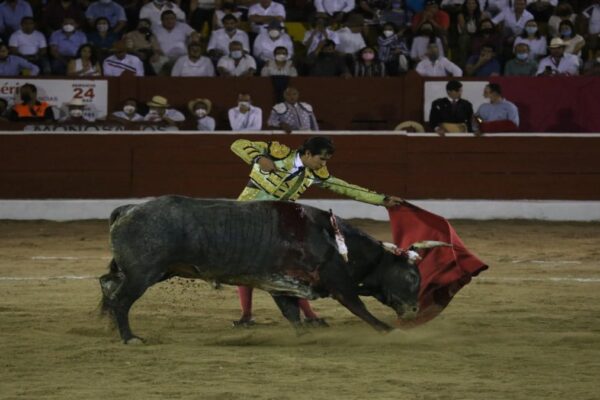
420	42
538	46
85	64
280	66
563	12
574	42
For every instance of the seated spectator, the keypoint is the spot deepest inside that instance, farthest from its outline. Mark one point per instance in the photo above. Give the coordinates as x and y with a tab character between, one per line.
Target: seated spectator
451	110
498	109
57	11
30	44
367	64
109	9
563	12
522	64
11	14
592	66
281	65
201	12
591	18
269	39
143	44
334	8
468	21
432	15
393	50
228	7
237	63
193	64
350	36
396	14
541	9
102	38
434	65
30	108
64	44
160	111
452	7
245	117
494	7
265	12
153	10
122	63
513	19
484	64
172	35
129	112
573	42
220	39
538	47
558	62
3	110
293	115
200	108
86	63
319	32
14	65
486	35
76	113
325	61
420	44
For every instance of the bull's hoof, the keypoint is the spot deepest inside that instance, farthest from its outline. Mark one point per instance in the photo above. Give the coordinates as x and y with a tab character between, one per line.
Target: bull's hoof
136	341
316	323
244	323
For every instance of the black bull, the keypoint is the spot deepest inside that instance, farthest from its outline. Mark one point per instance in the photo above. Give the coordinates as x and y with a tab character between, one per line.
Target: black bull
284	248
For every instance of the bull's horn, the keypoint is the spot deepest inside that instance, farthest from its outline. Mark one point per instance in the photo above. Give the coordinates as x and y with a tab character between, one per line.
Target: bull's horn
429	244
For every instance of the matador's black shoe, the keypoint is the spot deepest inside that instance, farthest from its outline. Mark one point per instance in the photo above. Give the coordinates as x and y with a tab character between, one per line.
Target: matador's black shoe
316	323
244	322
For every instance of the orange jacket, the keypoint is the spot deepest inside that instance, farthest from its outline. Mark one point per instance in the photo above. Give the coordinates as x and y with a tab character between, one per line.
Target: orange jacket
24	110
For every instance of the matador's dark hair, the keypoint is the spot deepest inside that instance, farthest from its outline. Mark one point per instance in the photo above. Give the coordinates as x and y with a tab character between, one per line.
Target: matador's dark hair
318	145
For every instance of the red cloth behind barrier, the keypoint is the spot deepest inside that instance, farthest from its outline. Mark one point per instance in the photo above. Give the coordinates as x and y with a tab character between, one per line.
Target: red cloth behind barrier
444	270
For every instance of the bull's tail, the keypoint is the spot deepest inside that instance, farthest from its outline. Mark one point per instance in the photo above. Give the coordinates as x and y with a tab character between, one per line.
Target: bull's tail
111	284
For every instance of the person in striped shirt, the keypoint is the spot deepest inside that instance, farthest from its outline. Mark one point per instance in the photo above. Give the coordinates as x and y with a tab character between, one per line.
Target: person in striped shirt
121	62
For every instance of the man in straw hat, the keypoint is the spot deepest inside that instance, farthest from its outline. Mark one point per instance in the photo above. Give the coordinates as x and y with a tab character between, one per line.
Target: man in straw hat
122	63
75	114
558	63
200	108
159	111
280	173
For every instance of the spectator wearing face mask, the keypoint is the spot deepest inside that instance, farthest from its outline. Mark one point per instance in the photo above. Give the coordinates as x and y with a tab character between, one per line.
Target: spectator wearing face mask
264	13
228	7
393	50
30	44
11	65
269	39
160	111
281	65
484	64
121	62
420	44
142	43
29	108
200	108
245	117
76	113
367	64
237	62
129	112
102	38
558	62
193	63
574	42
112	11
522	64
85	63
434	65
351	37
319	32
154	9
220	39
562	12
64	45
57	11
325	61
538	47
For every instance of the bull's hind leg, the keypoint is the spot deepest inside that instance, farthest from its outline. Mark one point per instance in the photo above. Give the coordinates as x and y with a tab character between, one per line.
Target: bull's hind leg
290	310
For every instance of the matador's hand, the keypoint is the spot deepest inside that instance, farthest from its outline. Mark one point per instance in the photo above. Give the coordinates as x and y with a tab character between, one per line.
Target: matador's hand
391	201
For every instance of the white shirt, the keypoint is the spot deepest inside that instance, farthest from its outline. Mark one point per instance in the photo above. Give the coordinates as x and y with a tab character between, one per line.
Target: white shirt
419	47
206	124
297	164
568	64
173	42
152	13
329	34
220	40
249	121
274	10
186	67
554	23
333	6
27	45
123	115
511	22
493	7
537	47
350	42
112	66
271	69
220	14
593	14
170	113
264	45
246	62
442	67
572	43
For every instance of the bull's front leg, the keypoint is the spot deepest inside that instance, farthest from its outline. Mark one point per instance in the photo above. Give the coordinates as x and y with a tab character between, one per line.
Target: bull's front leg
290	309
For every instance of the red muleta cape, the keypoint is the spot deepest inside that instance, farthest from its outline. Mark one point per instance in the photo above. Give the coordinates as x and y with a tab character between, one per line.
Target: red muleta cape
444	270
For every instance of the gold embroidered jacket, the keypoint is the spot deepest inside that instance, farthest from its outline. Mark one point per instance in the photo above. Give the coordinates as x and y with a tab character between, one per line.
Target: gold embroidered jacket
283	185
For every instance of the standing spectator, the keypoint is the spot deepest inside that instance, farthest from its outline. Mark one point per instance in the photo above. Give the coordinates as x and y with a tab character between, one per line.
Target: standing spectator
11	14
269	39
143	44
292	115
154	9
112	11
129	112
172	35
421	42
228	7
159	110
193	63
245	117
487	34
317	34
201	12
200	108
367	64
498	109
434	65
538	47
122	63
563	12
30	44
103	38
86	63
468	21
237	63
325	61
522	64
591	15
220	39
335	8
64	44
396	14
351	36
14	65
57	11
513	19
432	15
592	66
281	65
76	113
265	12
573	42
451	110
485	64
30	108
558	63
393	50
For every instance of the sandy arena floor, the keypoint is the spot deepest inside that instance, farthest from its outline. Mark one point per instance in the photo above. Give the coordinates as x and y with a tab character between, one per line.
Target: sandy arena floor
528	328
